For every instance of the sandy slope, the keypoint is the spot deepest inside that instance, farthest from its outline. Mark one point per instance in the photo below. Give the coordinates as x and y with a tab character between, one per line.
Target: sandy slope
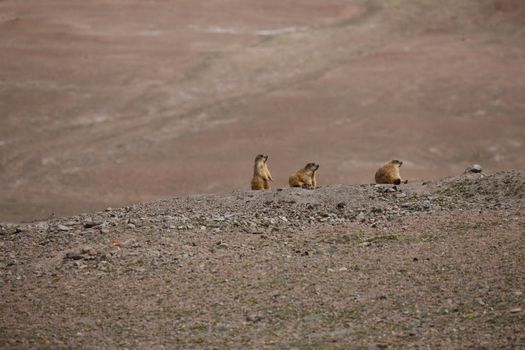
105	103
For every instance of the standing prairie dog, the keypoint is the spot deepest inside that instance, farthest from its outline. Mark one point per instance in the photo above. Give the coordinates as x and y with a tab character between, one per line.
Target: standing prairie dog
389	173
304	177
261	175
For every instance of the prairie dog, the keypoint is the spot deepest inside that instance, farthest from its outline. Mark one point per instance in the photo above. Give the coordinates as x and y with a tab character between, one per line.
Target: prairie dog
304	177
389	173
261	175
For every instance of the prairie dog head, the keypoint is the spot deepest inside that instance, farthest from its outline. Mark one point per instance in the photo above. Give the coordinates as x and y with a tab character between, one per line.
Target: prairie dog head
311	167
261	158
396	162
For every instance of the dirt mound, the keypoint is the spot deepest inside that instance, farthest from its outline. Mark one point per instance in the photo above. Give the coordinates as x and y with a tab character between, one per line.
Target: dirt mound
379	266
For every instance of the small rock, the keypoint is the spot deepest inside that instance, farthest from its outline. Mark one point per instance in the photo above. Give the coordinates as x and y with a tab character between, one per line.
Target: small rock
63	228
516	310
221	244
74	255
361	217
90	224
88	251
476	168
254	318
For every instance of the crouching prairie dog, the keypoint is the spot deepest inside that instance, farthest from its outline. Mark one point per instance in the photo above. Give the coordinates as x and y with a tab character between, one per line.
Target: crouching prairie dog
261	175
304	177
389	173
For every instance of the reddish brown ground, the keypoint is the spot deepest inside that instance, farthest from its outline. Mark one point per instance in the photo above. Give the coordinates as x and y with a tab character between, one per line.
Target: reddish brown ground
104	103
420	266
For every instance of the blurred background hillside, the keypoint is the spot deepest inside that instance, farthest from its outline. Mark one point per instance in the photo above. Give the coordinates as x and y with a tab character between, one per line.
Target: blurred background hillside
106	103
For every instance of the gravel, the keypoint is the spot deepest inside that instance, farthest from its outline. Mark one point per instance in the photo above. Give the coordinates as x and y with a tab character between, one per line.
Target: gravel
379	266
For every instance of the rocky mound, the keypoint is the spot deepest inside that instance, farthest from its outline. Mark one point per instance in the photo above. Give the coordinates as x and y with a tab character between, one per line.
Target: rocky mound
376	265
263	212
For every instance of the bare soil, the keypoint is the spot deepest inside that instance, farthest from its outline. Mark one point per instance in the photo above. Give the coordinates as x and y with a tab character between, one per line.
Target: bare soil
436	264
108	103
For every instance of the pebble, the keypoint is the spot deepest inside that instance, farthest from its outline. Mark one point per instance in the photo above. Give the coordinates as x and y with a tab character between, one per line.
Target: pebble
476	168
254	318
221	244
89	224
63	228
74	255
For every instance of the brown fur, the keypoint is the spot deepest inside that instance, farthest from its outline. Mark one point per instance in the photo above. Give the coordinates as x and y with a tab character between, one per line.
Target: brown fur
389	173
304	177
261	175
